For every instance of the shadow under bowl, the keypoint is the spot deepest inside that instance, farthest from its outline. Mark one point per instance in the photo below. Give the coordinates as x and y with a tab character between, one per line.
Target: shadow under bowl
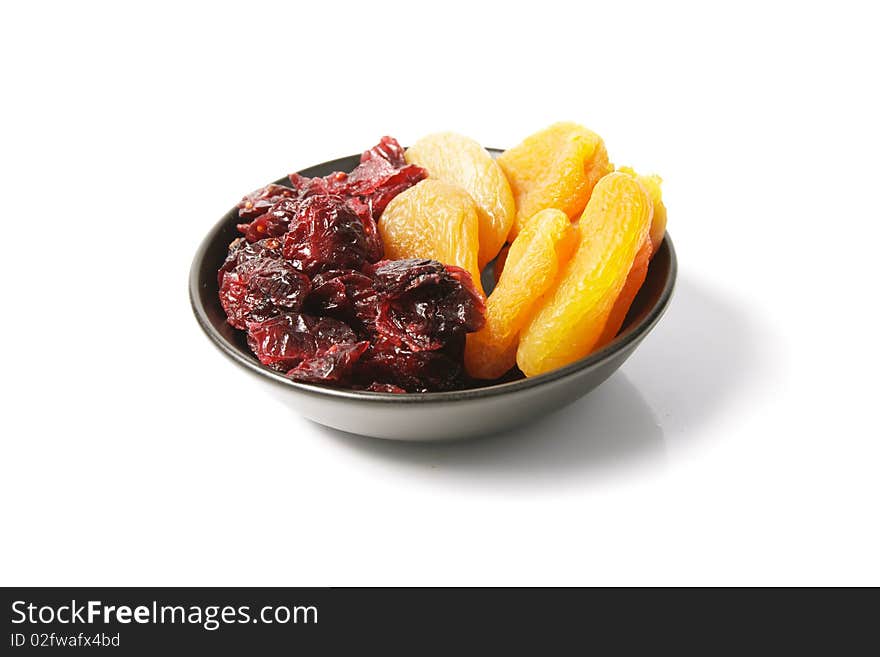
435	415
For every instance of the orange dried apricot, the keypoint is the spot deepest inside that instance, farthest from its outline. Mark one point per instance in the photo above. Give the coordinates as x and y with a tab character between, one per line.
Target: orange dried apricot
435	220
534	259
461	161
634	281
572	316
652	186
639	271
554	168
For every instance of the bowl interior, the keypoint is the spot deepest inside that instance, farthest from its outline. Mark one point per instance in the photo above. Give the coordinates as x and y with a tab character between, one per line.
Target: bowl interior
645	310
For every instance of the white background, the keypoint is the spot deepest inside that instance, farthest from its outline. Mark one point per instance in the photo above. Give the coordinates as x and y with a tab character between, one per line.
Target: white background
739	445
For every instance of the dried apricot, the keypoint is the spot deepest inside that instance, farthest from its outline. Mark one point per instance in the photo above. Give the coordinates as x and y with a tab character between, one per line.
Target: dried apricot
639	270
652	186
554	168
433	220
534	259
572	316
461	161
634	281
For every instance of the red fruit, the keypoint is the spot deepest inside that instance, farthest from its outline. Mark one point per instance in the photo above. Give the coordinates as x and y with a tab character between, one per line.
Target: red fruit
423	304
388	363
260	200
388	149
314	349
325	234
382	174
256	283
347	295
331	366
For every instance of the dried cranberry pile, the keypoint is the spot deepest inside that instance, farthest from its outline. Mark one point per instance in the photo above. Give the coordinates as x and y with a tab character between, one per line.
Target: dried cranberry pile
308	284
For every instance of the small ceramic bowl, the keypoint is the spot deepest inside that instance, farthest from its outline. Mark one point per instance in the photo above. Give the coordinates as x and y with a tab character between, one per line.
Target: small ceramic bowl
435	415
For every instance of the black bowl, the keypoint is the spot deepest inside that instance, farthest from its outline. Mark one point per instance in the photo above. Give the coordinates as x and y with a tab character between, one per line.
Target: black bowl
434	415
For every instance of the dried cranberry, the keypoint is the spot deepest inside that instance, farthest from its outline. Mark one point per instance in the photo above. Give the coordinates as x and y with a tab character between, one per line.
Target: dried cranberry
331	366
272	223
282	342
393	181
334	184
260	200
424	304
326	234
382	174
258	207
256	283
346	294
307	348
388	149
386	362
243	254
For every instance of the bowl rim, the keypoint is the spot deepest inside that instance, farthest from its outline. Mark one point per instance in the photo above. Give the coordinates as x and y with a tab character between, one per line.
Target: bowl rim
633	334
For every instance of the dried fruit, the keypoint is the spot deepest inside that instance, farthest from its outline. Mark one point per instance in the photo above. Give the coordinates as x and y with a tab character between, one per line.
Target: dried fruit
333	365
533	262
392	367
382	174
256	283
554	168
433	220
652	186
639	271
461	161
423	304
345	294
571	318
634	281
259	201
325	234
309	284
307	348
388	149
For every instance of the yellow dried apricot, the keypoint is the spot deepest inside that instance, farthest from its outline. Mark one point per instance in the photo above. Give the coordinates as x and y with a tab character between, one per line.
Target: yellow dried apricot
461	161
652	186
534	259
554	168
435	220
572	316
639	270
634	281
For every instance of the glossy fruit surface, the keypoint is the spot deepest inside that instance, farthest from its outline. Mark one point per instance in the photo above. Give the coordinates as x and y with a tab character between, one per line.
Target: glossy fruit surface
433	220
631	287
572	316
256	283
652	184
381	174
305	345
423	305
554	168
461	161
532	265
